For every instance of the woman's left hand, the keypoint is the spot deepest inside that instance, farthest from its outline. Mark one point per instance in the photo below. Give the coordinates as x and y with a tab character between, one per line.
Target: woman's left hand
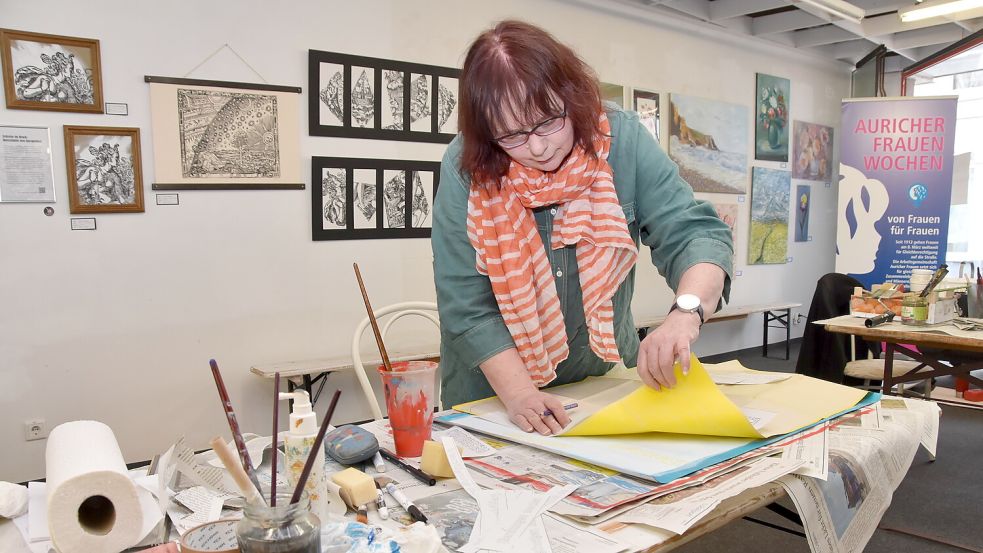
660	349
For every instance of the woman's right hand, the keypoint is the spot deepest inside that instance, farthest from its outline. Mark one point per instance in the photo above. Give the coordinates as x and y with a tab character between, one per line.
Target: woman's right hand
536	410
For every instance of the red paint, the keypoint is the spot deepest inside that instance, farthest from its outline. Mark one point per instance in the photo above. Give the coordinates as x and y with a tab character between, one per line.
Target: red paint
409	390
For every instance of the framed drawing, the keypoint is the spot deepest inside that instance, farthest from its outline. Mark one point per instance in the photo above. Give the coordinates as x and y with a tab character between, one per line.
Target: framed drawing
709	141
218	135
51	72
646	105
372	198
770	190
104	170
362	97
771	122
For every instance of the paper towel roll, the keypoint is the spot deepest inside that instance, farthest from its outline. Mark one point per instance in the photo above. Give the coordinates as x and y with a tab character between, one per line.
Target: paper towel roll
93	505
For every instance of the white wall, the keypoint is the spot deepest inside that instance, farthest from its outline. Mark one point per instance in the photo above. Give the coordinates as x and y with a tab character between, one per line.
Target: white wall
118	324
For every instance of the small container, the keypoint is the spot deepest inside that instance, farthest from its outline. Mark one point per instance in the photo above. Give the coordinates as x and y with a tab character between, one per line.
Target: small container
920	278
914	310
285	528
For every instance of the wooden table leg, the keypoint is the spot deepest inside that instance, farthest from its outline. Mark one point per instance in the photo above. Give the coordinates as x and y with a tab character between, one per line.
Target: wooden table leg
888	381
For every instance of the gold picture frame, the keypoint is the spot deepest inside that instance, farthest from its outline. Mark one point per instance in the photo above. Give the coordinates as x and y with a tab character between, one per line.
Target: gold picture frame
105	174
51	72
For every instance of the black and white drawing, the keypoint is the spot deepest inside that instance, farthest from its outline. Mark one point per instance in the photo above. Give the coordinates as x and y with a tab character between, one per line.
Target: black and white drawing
228	134
333	198
362	97
51	72
373	198
104	169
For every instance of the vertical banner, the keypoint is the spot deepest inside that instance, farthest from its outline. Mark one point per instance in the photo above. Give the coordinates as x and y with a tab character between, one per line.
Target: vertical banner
895	186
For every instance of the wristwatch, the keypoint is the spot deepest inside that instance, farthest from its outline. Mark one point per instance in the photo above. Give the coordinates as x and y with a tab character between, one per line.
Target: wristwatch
688	303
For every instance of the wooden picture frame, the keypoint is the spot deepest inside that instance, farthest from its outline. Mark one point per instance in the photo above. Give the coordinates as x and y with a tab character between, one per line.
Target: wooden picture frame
364	199
51	72
105	174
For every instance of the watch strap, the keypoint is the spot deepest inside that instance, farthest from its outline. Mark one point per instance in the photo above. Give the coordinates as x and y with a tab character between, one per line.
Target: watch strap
698	311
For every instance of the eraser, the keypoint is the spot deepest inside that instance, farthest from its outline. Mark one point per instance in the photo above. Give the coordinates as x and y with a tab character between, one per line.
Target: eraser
434	461
358	486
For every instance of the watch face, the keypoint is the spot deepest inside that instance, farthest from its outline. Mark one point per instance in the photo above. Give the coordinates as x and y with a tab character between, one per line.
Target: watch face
688	302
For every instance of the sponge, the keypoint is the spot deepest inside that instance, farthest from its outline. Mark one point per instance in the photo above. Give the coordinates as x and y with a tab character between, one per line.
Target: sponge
358	486
434	461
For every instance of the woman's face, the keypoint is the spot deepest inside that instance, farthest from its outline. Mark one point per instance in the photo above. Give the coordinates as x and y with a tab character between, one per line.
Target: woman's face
545	153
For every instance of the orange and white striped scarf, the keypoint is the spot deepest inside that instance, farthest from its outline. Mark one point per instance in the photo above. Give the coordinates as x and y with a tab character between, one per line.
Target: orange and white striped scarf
502	229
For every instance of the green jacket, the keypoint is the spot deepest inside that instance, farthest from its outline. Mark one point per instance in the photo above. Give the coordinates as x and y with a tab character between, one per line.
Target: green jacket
661	212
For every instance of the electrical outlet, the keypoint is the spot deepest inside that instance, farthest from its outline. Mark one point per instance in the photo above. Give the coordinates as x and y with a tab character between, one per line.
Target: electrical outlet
797	320
35	429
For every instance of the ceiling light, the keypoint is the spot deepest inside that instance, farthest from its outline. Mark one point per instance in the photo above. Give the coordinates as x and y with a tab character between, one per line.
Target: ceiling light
839	8
937	8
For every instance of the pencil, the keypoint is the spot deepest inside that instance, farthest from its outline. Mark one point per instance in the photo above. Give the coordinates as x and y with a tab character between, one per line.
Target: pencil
417	473
230	415
566	407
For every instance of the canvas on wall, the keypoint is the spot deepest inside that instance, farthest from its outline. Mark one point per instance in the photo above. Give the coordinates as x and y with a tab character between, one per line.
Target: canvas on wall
812	151
614	93
770	189
646	104
709	141
362	97
771	120
354	199
217	135
51	72
803	204
728	214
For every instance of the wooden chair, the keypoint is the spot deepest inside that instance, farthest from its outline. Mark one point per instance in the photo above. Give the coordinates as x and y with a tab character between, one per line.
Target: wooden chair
872	369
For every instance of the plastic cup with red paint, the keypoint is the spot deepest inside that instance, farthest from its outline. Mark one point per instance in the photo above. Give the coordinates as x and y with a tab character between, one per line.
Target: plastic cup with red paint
410	399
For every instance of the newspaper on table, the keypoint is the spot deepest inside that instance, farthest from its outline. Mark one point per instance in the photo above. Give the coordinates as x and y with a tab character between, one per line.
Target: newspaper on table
866	464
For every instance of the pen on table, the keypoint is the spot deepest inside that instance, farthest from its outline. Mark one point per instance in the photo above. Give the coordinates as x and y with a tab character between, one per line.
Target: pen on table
412	509
417	473
566	407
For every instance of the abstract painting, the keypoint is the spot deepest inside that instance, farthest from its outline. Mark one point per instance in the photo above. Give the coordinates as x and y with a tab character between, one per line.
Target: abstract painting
105	174
51	72
771	119
646	104
728	214
812	151
218	135
372	198
769	216
709	142
363	97
803	202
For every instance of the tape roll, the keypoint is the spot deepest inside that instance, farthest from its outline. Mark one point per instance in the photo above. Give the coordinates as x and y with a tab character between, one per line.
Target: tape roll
211	537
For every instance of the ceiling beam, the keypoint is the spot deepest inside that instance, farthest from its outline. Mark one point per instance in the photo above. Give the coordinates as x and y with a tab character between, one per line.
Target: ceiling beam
878	7
699	9
942	34
851	50
890	23
725	9
785	21
818	36
855	28
971	25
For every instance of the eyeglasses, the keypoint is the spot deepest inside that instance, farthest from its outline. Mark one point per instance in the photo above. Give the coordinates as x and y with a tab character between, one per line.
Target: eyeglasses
544	128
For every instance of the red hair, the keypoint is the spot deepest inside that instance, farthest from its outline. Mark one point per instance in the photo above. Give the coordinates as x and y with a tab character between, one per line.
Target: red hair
517	71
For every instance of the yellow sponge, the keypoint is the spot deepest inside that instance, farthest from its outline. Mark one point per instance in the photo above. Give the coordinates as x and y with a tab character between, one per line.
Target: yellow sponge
434	461
358	486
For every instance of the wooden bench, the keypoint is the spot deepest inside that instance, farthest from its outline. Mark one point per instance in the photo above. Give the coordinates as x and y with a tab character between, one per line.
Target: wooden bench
773	312
309	372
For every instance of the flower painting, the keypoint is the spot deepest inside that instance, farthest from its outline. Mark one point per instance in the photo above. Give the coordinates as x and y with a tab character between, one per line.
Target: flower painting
771	120
812	151
770	190
803	199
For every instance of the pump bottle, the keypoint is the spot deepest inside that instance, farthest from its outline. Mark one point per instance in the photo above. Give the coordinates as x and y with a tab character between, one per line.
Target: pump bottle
297	446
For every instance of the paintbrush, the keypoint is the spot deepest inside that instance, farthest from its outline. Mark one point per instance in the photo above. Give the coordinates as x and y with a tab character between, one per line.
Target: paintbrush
276	425
375	324
230	415
239	476
936	279
312	456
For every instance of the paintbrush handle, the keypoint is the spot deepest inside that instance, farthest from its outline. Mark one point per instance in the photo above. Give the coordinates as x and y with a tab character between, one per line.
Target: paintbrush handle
276	427
238	474
230	415
372	321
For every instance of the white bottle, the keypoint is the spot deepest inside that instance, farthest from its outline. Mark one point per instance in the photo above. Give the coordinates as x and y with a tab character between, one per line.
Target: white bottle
297	447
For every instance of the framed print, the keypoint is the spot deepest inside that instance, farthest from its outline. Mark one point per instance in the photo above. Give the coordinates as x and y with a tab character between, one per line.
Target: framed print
104	171
218	135
362	97
51	72
372	198
709	141
771	121
26	173
646	105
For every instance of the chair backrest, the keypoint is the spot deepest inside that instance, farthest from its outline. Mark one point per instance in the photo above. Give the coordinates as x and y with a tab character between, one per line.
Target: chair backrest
390	314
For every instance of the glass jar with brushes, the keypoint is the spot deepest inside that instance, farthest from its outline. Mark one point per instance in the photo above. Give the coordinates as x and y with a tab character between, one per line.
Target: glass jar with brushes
285	528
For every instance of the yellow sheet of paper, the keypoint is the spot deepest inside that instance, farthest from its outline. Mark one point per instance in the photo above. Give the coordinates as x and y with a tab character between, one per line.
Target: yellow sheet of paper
694	406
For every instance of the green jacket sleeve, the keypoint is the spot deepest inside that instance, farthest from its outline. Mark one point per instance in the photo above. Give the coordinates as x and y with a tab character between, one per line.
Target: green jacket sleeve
680	230
471	324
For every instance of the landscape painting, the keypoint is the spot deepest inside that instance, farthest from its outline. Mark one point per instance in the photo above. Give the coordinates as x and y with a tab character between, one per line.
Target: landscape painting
770	189
709	142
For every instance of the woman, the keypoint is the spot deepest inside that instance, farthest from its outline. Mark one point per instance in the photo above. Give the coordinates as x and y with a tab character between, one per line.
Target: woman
543	200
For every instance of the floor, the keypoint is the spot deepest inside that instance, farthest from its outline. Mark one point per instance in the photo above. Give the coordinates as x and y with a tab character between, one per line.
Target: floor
938	499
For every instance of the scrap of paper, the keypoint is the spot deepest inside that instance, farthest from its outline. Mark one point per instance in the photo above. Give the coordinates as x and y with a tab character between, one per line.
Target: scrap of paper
470	445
